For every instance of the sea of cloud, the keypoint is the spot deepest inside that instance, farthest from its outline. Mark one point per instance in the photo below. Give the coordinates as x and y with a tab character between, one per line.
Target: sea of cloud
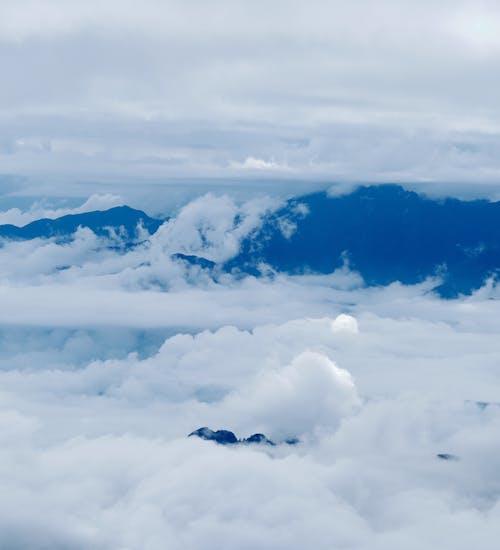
109	357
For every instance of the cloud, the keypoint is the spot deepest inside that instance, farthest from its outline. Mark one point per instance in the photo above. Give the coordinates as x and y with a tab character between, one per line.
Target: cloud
106	443
252	163
212	227
345	324
310	394
328	90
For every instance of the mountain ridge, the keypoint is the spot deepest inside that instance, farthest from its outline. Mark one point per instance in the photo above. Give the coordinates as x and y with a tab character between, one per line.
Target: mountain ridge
97	220
385	233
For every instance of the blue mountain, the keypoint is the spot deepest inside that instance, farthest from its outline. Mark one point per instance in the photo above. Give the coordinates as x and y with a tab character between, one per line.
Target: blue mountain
225	437
122	219
385	232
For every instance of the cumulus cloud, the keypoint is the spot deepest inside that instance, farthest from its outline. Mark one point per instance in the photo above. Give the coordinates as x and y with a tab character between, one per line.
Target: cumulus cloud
310	394
212	227
345	324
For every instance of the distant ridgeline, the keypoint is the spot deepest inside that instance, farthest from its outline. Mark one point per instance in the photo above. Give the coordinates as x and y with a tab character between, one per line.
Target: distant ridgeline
386	233
122	219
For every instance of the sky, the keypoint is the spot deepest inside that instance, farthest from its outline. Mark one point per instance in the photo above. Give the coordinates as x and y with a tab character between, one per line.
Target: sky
116	93
112	353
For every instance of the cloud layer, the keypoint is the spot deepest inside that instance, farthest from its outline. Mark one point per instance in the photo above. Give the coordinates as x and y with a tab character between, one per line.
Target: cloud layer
363	92
97	456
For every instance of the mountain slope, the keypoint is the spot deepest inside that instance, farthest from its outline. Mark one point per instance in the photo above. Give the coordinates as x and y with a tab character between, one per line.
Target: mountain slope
386	233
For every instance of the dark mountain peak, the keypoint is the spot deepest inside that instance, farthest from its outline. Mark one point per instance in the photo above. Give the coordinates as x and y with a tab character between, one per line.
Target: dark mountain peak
224	437
258	438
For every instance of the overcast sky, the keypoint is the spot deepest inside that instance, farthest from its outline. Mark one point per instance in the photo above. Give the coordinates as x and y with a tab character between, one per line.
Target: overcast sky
319	90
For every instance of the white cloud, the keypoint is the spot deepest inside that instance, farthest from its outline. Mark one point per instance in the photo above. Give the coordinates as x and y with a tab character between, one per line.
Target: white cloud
86	449
326	89
252	163
308	395
345	324
478	26
212	227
